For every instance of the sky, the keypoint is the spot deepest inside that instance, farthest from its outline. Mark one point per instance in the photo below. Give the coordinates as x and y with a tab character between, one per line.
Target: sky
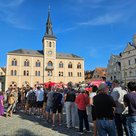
92	29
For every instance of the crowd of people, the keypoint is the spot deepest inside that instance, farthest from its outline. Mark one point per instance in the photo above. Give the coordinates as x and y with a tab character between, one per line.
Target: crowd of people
112	109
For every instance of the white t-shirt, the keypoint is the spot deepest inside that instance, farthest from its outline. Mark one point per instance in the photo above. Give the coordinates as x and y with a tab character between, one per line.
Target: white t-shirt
39	95
118	95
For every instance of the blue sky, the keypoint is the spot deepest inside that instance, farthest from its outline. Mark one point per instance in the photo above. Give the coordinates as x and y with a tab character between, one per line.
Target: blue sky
92	29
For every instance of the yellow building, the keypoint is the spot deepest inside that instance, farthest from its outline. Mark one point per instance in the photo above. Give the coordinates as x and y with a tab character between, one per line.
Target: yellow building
2	78
40	66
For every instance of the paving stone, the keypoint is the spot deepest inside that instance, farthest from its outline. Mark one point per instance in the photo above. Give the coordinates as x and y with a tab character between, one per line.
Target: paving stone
23	125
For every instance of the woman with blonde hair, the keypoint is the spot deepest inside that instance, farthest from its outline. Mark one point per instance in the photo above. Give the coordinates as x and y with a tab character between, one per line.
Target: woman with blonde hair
11	101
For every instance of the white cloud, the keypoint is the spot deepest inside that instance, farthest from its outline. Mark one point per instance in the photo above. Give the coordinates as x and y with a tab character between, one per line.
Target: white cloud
87	1
9	15
104	20
93	53
107	19
11	3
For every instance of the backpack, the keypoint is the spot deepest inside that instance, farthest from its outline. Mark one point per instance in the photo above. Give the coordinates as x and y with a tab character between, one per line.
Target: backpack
11	100
57	98
32	97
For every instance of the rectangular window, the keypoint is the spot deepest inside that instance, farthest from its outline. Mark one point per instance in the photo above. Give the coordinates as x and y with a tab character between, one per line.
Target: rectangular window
49	73
71	74
38	73
60	73
78	74
129	62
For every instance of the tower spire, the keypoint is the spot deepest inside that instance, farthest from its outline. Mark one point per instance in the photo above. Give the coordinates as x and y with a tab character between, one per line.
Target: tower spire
49	31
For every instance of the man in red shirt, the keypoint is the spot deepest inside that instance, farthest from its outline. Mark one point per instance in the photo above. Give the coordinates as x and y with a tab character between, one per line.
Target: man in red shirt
82	100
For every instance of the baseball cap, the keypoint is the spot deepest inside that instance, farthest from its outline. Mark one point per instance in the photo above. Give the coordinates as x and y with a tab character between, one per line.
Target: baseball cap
102	86
82	90
116	81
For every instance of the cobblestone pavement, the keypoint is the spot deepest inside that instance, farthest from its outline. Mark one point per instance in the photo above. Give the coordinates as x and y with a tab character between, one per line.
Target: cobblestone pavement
22	124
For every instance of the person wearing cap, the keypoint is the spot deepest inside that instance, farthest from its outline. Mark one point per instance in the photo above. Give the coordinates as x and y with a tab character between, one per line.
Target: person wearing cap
104	106
82	100
121	112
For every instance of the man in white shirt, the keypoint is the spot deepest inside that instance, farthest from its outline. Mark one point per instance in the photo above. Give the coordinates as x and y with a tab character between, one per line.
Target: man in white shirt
120	110
39	99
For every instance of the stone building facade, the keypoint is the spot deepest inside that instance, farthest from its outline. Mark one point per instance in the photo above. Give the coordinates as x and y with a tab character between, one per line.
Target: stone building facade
128	62
40	66
114	68
123	67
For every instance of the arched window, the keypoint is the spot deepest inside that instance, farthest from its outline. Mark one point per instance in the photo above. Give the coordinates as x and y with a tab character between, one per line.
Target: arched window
61	65
37	73
11	72
15	72
60	73
26	62
14	62
49	44
79	65
70	74
50	64
13	84
38	63
26	73
26	83
70	65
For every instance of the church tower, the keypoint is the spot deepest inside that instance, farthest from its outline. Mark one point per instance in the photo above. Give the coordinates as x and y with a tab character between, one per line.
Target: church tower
49	50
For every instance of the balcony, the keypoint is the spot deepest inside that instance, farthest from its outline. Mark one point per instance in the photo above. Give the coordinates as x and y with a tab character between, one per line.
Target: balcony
49	68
